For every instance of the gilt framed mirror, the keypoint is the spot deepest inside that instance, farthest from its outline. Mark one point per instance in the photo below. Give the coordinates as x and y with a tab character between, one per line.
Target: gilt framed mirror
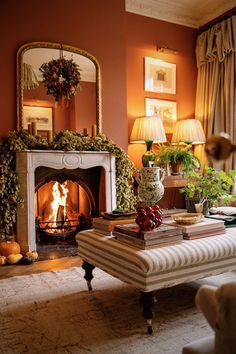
36	100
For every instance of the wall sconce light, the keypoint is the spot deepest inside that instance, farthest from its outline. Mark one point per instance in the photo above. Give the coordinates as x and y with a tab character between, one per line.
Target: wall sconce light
149	130
188	131
167	50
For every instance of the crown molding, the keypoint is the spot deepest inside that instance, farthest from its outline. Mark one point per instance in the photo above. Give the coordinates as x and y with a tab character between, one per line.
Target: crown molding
194	13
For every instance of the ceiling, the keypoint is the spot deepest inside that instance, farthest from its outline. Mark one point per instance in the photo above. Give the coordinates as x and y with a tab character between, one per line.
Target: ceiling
191	13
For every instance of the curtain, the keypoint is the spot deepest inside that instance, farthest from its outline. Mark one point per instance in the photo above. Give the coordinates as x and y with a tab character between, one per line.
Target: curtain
216	83
30	80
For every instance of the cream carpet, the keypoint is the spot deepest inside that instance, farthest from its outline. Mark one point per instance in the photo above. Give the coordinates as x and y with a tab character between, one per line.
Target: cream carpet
54	313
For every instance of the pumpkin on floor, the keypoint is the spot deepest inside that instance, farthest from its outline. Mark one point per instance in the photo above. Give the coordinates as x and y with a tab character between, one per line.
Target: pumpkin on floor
14	258
32	254
9	247
3	260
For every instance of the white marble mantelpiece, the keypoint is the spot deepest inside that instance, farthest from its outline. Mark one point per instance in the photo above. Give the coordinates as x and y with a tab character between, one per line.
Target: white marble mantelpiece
26	164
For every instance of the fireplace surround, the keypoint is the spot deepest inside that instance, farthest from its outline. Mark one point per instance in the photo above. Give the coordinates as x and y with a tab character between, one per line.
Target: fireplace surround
27	163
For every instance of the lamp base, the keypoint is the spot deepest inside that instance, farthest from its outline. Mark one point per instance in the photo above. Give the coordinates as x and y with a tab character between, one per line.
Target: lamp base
148	158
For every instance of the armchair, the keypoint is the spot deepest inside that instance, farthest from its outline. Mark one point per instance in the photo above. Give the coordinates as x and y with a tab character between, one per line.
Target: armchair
218	305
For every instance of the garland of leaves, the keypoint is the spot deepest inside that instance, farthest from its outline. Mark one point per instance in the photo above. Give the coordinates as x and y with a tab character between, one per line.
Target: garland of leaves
67	141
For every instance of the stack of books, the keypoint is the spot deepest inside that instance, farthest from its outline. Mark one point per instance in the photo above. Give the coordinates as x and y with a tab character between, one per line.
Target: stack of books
229	220
205	228
162	236
106	226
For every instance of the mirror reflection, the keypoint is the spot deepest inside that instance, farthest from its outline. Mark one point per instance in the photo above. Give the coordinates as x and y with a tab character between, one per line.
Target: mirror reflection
58	89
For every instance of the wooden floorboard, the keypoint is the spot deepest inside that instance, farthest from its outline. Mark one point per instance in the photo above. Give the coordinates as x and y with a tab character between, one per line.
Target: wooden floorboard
8	271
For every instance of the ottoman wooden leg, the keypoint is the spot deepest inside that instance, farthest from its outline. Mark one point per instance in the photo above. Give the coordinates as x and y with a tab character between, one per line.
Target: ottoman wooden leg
88	273
147	300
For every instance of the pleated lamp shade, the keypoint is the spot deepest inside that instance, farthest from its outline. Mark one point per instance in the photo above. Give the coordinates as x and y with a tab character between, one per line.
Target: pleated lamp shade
148	129
188	131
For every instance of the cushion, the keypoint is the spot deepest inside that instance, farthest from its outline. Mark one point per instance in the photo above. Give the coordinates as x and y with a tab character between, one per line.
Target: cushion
223	210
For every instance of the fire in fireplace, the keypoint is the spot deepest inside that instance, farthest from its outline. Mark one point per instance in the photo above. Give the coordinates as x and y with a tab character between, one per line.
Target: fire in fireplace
62	209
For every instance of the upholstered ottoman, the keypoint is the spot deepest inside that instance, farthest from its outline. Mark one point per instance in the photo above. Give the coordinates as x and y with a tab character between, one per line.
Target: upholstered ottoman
153	269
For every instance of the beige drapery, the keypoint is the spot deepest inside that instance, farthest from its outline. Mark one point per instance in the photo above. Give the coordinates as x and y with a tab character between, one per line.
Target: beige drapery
216	83
30	80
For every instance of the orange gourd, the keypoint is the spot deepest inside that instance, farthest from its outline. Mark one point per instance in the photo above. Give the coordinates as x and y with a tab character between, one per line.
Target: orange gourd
9	247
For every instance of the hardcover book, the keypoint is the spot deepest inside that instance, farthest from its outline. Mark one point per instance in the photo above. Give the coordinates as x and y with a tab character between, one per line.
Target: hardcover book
108	225
147	244
204	225
196	235
164	231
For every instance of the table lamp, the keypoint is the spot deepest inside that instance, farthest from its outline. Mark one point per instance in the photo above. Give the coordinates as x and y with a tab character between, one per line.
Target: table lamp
149	130
188	131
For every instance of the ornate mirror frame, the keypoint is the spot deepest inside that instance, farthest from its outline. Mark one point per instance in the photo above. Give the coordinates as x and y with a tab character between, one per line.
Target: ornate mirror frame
51	45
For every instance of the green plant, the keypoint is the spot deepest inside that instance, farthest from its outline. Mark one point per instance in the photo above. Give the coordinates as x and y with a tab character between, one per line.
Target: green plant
177	154
67	141
9	190
212	185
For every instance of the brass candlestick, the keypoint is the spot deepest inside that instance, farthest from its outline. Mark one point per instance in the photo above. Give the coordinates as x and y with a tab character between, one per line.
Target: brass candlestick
49	136
219	147
94	130
34	128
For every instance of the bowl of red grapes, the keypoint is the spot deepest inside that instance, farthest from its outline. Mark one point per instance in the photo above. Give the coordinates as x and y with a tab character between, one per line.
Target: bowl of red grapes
148	218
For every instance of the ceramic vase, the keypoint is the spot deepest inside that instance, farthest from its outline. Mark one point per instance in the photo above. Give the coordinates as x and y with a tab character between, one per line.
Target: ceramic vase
150	187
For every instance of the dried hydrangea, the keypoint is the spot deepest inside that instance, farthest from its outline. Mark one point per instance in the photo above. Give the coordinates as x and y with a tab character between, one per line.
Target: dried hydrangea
66	141
61	77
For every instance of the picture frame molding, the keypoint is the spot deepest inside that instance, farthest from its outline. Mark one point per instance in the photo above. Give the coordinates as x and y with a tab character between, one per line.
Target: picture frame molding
34	112
151	103
159	76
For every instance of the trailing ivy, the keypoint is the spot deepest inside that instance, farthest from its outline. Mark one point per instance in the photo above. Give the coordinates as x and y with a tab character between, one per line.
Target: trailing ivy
66	141
9	190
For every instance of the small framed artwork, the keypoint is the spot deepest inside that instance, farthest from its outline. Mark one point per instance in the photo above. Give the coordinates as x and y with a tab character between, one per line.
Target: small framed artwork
160	76
165	109
42	116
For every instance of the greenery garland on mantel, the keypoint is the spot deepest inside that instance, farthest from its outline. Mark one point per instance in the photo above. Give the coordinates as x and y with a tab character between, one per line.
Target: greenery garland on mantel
67	141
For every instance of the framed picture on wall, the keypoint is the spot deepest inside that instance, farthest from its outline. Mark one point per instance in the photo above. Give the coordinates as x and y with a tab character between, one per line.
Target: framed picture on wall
160	76
41	115
165	109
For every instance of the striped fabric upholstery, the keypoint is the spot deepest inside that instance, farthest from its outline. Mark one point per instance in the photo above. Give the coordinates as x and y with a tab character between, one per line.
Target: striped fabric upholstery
160	267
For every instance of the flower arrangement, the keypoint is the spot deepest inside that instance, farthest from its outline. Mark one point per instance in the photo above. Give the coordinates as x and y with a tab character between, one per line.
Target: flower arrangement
67	141
61	78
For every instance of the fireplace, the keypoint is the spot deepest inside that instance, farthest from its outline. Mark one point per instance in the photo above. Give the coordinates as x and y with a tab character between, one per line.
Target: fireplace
62	191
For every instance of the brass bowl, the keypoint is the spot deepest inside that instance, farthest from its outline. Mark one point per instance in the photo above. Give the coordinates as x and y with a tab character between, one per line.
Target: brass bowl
187	218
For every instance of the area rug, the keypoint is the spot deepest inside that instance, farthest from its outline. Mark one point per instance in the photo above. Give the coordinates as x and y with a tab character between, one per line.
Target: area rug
53	312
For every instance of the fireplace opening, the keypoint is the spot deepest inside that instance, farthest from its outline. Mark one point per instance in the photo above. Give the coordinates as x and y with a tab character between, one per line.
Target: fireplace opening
65	202
62	210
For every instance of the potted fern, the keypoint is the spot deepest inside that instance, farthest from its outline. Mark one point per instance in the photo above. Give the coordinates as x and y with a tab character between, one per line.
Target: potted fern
178	158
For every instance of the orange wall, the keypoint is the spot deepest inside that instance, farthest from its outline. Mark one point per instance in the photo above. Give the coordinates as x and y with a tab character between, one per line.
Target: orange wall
119	40
143	35
97	26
